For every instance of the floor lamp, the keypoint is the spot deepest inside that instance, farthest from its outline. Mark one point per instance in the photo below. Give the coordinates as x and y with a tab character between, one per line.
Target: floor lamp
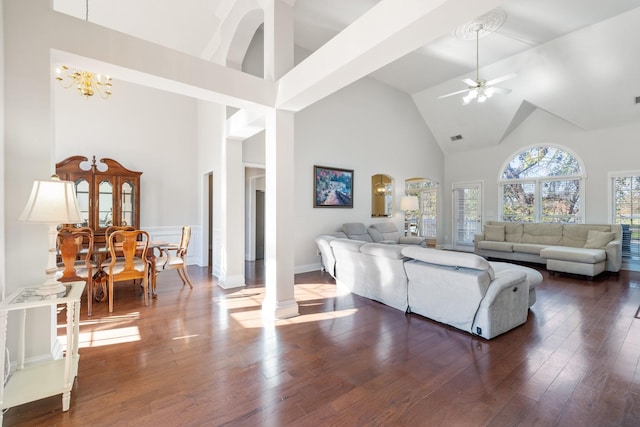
52	202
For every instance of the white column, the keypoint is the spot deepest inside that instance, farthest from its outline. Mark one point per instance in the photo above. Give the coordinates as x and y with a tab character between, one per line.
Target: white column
279	300
232	265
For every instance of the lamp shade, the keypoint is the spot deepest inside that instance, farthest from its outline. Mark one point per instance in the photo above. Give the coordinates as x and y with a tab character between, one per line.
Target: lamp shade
52	202
409	203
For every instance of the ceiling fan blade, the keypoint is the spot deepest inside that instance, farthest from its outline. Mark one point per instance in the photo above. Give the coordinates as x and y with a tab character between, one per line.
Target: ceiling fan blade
500	90
470	82
453	93
500	79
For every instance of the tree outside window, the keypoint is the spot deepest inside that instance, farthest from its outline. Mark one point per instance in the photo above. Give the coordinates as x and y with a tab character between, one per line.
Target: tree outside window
542	184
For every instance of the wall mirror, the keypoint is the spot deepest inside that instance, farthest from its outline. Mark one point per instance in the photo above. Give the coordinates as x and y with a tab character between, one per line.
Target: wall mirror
381	196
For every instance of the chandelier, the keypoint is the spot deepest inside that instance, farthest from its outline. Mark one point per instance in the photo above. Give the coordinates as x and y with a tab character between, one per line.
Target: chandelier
86	82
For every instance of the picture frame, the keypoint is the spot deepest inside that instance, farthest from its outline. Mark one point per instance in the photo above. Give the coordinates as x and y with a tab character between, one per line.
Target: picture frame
332	187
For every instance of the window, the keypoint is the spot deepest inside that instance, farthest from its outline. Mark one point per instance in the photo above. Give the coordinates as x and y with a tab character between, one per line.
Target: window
467	209
625	189
542	184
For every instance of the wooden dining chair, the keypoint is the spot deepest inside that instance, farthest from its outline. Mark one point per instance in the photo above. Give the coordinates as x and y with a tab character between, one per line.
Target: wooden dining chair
174	257
112	228
75	247
128	253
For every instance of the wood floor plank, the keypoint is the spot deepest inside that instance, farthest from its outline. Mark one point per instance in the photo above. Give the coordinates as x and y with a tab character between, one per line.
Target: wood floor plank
204	356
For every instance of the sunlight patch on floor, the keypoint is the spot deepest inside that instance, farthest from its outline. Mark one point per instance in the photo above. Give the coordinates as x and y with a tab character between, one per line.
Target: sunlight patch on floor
245	306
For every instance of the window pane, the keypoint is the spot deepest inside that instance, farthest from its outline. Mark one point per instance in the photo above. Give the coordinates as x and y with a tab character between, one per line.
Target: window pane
626	206
560	201
541	162
518	202
429	209
467	215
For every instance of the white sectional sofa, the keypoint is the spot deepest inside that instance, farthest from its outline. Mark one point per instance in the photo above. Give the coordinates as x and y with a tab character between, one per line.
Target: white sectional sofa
381	232
586	249
459	289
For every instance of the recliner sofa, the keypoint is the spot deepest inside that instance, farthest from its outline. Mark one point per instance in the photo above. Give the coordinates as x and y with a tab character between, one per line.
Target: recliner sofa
383	232
459	289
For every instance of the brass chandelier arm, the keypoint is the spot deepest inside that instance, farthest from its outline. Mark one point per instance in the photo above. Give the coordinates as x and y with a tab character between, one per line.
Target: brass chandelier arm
86	82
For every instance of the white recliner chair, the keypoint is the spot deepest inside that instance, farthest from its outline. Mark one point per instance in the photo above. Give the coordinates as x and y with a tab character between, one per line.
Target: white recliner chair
387	232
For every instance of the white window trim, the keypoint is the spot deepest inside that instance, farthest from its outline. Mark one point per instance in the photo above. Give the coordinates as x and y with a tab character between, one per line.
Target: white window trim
610	176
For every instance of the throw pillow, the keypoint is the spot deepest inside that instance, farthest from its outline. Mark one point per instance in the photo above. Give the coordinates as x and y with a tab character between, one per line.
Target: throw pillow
494	233
598	239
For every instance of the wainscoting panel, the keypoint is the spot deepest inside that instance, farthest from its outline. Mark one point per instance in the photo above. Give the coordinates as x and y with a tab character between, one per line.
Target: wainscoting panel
172	234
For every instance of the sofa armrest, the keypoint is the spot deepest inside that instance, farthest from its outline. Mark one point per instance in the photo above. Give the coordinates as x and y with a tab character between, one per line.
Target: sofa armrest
614	255
477	237
504	279
412	240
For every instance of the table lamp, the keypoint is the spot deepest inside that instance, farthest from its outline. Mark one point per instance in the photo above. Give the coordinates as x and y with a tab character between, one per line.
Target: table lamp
52	202
409	203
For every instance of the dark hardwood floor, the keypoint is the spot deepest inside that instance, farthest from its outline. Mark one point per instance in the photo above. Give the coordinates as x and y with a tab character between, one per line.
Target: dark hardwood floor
205	357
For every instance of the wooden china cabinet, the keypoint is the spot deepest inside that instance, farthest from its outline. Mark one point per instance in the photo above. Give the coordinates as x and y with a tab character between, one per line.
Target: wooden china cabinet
108	193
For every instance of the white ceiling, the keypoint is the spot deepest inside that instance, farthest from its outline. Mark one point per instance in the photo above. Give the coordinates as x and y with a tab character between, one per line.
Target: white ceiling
565	64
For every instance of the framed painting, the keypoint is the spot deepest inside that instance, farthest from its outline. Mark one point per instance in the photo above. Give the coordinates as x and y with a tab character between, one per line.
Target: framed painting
332	187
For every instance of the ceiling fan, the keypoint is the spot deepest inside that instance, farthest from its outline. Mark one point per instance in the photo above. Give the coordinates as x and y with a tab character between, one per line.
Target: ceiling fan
480	89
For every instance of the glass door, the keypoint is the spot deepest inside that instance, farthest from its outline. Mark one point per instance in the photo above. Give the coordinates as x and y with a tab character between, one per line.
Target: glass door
467	214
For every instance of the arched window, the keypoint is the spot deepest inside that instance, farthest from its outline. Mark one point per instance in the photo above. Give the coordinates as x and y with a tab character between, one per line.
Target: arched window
542	184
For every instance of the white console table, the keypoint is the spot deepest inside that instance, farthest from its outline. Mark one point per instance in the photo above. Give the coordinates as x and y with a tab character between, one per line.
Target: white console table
42	379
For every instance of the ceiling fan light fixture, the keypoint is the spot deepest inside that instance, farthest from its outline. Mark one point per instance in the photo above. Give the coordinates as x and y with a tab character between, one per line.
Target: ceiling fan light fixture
469	97
480	89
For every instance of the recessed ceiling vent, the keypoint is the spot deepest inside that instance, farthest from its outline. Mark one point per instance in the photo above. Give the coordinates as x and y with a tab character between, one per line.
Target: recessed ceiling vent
455	138
637	99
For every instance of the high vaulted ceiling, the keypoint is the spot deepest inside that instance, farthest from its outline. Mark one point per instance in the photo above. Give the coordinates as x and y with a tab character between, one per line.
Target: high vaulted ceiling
577	59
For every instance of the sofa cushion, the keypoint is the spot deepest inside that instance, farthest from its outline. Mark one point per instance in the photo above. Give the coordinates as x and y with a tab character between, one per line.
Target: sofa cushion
346	244
356	231
496	246
582	255
598	239
528	248
382	250
513	231
542	234
575	235
494	233
448	258
385	232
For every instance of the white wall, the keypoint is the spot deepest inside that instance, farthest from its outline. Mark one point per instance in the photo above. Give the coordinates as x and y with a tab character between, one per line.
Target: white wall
370	128
602	151
2	245
144	129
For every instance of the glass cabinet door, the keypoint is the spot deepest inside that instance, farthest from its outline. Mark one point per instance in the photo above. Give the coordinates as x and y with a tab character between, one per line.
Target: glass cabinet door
128	204
105	204
82	194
